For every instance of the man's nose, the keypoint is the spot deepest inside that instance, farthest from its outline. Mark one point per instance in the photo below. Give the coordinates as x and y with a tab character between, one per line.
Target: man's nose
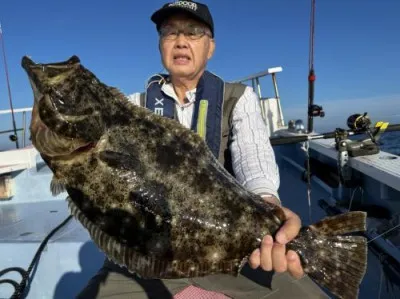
181	41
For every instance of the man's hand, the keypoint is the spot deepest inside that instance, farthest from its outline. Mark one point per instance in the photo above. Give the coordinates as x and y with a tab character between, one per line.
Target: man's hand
271	256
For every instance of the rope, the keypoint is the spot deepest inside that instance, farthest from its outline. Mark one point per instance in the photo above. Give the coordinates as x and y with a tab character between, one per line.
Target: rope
352	196
389	230
20	288
306	148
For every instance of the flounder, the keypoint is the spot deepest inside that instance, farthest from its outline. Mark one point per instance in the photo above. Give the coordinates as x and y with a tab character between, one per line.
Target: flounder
155	199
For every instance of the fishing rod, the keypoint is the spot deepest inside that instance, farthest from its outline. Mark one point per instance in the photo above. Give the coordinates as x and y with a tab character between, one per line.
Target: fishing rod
351	132
15	136
313	109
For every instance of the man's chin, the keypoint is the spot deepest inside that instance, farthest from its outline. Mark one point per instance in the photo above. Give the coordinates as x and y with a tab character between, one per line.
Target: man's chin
184	74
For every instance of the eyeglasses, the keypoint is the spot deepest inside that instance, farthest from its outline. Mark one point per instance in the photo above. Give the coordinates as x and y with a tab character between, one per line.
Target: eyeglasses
192	32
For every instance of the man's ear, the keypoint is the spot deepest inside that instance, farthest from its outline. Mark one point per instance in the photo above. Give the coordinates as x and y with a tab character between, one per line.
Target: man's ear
211	49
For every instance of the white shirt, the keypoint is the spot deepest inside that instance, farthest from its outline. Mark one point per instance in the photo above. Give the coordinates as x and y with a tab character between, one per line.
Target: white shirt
253	158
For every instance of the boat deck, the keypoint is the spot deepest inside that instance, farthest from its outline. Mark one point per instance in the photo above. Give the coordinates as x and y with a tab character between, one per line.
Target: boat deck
383	167
294	196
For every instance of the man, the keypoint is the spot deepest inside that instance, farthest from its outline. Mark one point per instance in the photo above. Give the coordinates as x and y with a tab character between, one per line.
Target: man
186	43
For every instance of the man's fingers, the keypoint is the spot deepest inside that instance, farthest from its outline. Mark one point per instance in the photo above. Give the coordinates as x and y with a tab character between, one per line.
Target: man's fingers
290	228
266	250
279	258
293	265
272	255
254	259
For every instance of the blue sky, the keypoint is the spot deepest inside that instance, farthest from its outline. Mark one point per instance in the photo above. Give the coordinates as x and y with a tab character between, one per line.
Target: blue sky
357	47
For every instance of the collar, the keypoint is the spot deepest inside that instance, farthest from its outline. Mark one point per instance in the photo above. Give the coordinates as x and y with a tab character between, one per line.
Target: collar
169	90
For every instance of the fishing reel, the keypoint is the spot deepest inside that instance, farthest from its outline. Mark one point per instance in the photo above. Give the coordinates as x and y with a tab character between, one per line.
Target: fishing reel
13	138
316	111
358	123
361	123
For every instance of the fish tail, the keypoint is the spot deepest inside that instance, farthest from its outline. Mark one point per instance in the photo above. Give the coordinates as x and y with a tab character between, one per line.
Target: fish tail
334	260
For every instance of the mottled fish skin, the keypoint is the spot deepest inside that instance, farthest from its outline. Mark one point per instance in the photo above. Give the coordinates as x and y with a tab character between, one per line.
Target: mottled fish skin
152	195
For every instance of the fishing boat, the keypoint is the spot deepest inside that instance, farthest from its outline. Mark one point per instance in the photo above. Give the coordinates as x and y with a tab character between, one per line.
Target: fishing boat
45	253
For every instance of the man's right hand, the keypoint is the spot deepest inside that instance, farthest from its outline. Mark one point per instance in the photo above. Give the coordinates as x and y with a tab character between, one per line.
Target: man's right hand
272	255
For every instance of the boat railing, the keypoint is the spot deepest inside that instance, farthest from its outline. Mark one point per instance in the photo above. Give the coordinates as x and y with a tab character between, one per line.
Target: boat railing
271	105
8	134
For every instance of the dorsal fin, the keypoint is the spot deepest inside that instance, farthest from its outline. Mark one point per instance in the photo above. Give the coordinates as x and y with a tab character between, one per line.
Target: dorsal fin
117	93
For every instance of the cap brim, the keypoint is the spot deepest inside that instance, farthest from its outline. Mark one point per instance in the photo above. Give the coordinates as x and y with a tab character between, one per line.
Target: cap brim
161	15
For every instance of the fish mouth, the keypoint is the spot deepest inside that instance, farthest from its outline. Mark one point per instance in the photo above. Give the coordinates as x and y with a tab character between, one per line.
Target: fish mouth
49	142
55	131
41	75
28	64
85	147
52	144
31	68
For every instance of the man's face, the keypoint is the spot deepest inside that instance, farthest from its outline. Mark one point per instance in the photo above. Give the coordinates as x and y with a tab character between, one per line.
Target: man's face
185	55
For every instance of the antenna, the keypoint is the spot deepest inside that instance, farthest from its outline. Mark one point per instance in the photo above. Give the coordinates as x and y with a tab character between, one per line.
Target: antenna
15	137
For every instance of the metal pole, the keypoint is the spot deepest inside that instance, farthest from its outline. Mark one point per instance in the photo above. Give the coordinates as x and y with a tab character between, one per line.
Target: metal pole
8	86
23	128
258	88
262	104
282	122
